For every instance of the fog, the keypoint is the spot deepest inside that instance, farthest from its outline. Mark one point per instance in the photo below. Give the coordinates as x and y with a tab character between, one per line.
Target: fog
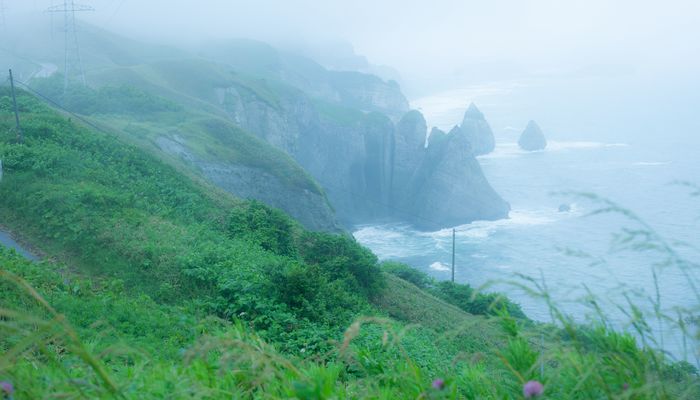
440	38
517	60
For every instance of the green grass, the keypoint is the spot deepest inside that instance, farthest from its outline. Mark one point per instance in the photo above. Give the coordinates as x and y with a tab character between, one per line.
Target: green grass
161	286
144	118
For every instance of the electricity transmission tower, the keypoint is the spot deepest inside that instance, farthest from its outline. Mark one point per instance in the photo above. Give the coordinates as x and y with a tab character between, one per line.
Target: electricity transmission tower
73	69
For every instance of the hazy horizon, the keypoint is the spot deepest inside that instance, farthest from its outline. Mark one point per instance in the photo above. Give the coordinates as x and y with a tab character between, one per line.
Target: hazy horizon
584	68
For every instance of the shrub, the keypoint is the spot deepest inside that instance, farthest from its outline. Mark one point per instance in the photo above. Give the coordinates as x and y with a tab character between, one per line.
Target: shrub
342	258
407	273
266	226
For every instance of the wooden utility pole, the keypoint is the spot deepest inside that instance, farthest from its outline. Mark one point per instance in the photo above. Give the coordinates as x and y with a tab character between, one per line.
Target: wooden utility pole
14	102
453	255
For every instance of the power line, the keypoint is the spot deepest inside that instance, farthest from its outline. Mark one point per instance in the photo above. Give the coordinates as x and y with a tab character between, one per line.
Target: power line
116	11
59	106
73	64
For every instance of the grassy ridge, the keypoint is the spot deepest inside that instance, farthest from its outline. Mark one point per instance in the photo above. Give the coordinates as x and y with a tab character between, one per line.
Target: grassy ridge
145	117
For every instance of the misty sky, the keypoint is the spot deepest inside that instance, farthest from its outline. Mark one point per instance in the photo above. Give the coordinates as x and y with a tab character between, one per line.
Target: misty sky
422	38
484	48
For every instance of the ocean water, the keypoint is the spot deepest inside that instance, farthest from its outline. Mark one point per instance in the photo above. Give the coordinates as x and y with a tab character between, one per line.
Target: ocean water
572	252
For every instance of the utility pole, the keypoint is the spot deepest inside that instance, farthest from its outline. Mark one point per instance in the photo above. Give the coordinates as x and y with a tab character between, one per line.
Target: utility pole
73	64
453	255
14	102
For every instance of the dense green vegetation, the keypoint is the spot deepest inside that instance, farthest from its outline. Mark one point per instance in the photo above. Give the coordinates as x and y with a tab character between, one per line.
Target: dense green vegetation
147	118
460	295
111	209
121	99
159	285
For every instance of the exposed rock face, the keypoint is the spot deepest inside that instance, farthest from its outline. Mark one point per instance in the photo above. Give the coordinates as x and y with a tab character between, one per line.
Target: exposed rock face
477	131
532	138
253	183
449	187
369	93
353	164
310	209
437	136
373	170
352	132
349	155
408	153
357	90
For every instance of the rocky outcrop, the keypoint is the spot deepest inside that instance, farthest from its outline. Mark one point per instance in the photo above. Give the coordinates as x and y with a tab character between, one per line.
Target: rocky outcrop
408	152
352	132
437	136
374	170
532	138
449	187
352	161
348	152
477	131
369	93
310	208
353	89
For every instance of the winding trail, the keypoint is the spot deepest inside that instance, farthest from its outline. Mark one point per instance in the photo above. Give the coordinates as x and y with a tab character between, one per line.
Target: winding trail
6	240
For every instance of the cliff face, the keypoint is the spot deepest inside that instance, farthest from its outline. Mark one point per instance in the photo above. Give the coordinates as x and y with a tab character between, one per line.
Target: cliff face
450	188
303	202
353	135
310	137
477	131
350	89
408	153
369	93
374	170
311	209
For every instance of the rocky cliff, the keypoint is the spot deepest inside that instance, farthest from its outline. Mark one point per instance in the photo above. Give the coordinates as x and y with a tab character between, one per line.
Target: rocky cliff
408	152
351	89
449	187
367	153
477	131
327	143
532	138
303	201
375	170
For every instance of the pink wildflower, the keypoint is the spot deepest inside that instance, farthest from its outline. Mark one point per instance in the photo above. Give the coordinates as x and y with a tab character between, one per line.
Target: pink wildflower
6	389
532	389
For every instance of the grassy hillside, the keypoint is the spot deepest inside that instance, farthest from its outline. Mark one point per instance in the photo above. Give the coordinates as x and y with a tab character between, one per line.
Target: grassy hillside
161	286
145	117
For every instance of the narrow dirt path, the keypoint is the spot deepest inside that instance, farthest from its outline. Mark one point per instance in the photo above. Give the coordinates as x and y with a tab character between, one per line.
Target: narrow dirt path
6	240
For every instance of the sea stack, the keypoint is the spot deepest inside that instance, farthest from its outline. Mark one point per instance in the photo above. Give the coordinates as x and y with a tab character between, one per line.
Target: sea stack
477	131
532	138
449	188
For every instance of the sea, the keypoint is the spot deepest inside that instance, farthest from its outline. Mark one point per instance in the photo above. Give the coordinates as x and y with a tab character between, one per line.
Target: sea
613	187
